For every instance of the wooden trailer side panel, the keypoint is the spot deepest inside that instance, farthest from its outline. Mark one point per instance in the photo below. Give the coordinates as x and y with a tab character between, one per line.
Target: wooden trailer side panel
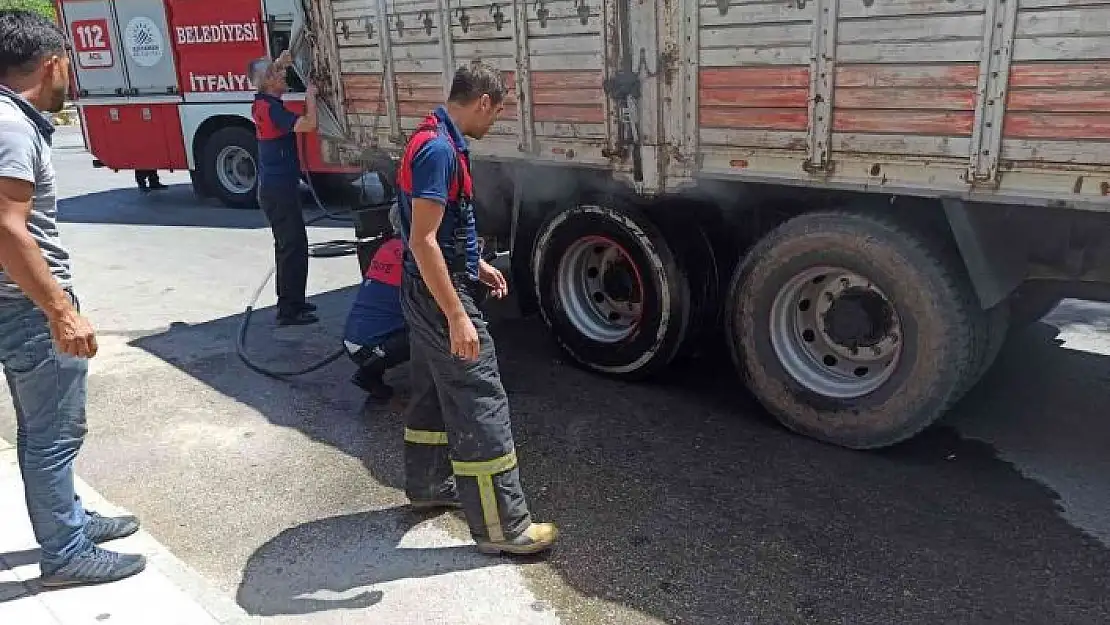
1058	105
753	80
396	59
906	77
992	100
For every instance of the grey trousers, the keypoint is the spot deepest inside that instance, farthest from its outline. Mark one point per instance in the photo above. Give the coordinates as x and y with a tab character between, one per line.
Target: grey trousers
457	431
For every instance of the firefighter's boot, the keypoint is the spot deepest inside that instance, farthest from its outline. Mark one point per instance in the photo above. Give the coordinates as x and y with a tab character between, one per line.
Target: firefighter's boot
369	378
535	538
446	497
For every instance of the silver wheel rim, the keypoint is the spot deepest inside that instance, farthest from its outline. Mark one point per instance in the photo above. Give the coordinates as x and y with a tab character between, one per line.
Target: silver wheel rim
601	289
235	169
835	332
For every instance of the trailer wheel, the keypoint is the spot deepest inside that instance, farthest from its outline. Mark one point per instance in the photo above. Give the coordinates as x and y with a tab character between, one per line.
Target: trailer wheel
851	329
611	290
229	166
689	240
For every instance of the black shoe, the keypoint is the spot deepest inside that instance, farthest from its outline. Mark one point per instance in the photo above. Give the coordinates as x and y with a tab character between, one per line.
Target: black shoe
101	529
157	186
374	386
144	189
308	307
95	566
447	497
299	318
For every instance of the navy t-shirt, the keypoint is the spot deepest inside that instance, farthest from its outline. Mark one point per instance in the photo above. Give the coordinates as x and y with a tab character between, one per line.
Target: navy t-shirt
433	169
278	162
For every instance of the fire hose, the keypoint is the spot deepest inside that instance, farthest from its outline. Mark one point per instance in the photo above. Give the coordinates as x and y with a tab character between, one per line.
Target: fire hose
324	249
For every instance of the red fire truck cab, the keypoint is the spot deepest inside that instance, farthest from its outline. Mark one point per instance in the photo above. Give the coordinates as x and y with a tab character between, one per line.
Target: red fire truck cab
162	84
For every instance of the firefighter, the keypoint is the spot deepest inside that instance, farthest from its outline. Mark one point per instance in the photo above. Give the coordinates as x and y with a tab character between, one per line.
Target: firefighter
148	181
375	336
279	179
459	448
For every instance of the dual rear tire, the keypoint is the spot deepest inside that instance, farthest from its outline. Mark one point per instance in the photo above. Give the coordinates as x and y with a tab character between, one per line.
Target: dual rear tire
854	330
612	291
847	327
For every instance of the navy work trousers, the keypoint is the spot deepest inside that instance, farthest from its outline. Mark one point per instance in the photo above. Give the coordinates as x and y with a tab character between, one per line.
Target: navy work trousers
282	205
457	422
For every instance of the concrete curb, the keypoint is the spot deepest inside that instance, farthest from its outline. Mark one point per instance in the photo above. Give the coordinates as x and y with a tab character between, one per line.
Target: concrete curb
223	610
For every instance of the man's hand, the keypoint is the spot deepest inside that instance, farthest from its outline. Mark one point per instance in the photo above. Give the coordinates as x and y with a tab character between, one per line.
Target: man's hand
491	277
464	337
73	334
284	60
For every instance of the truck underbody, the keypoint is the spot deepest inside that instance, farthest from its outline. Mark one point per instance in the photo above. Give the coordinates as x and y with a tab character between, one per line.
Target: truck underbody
859	202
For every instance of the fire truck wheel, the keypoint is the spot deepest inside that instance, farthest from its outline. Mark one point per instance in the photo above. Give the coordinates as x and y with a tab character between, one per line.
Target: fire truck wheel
229	166
200	187
610	289
852	329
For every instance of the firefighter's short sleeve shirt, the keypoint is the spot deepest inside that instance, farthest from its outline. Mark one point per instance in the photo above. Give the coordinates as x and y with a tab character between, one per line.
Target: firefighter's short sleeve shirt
278	163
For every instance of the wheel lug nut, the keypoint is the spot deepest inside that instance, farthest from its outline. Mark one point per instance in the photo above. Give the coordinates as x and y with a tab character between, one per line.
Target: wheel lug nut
877	350
845	283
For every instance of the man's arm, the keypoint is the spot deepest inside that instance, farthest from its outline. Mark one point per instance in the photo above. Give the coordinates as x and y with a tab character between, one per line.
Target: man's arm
431	173
20	255
426	218
286	121
289	121
307	122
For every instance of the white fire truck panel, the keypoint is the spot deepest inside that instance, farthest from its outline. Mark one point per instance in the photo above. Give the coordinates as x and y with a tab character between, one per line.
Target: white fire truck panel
147	49
97	58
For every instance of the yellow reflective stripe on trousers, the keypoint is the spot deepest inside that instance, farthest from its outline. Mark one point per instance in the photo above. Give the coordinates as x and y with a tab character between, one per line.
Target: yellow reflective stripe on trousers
424	437
489	508
485	467
483	472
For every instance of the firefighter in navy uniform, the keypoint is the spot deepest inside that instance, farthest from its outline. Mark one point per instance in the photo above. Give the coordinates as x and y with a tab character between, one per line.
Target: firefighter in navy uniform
459	448
279	179
375	336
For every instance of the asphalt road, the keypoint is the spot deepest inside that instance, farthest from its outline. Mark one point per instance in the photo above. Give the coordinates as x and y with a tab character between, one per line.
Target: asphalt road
680	502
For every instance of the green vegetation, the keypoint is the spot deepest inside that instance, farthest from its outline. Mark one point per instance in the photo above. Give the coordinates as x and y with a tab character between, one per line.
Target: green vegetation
46	7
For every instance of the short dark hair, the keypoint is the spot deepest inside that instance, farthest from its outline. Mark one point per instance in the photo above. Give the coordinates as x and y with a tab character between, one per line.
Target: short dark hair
26	38
476	80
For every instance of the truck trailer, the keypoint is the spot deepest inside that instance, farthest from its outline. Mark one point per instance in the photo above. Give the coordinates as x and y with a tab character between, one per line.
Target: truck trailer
860	198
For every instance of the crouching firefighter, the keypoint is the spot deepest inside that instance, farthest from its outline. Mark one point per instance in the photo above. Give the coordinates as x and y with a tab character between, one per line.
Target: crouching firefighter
459	448
375	336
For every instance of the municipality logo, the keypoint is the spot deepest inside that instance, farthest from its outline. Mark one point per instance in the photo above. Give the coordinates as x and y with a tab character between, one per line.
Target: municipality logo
144	41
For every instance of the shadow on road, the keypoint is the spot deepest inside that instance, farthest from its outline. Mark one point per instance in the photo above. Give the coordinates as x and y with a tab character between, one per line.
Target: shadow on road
347	556
683	502
13	589
176	206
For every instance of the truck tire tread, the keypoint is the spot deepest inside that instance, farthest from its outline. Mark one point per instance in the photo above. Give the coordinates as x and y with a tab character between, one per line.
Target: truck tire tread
914	254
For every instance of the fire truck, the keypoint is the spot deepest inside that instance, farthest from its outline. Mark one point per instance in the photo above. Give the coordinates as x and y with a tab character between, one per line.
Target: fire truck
162	84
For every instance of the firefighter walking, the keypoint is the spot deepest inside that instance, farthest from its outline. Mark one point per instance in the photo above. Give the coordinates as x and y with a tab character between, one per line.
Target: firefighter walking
459	448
